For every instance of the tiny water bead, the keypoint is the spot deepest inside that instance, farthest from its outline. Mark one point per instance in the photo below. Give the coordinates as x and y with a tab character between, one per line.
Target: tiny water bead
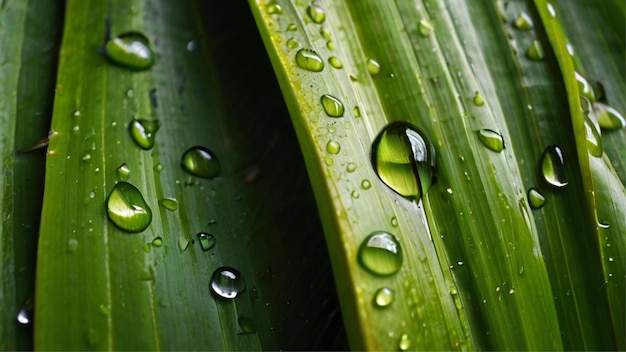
200	162
333	147
383	297
594	140
425	27
143	132
553	167
335	62
404	159
373	67
316	14
127	208
227	282
309	60
366	184
491	139
157	242
332	106
478	99
608	118
535	52
207	241
584	88
351	167
25	315
168	203
523	22
131	50
535	198
381	254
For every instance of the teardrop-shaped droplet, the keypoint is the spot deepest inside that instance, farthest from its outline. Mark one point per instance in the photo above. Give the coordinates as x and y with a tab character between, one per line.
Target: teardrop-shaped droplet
404	159
131	50
373	67
551	10
335	62
332	106
127	209
123	171
383	297
594	140
608	118
535	198
425	27
168	203
316	14
201	162
227	282
246	325
143	132
491	139
553	167
309	60
207	241
523	22
333	147
381	254
535	52
25	315
584	88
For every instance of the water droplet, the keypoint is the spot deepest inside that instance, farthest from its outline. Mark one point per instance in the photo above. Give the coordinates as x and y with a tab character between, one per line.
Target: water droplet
330	45
325	33
293	44
25	315
201	162
381	254
316	14
384	297
127	209
351	167
425	27
335	62
309	60
584	88
357	112
86	157
523	22
404	159
373	67
608	118
491	139
168	203
227	282
123	171
158	167
405	342
551	10
183	243
131	50
207	241
535	52
292	27
355	194
594	140
274	9
157	242
366	184
535	198
72	245
332	106
143	132
553	166
246	325
394	221
333	147
191	46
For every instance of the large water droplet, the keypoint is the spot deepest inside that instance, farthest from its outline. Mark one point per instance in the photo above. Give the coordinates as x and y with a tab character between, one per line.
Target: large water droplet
553	166
383	297
332	106
316	14
333	147
227	282
127	209
373	67
608	118
131	50
143	132
404	159
535	198
381	254
584	88
594	140
491	139
309	60
207	241
201	162
246	325
535	52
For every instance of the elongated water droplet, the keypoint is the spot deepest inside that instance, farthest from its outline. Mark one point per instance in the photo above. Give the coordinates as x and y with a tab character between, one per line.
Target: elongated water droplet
333	147
130	50
553	167
535	52
404	159
584	88
332	106
405	342
523	22
335	62
143	132
608	118
127	209
316	14
207	241
381	254
168	203
535	198
246	325
425	27
491	139
227	282
309	60
201	162
123	171
551	10
373	67
157	242
478	99
383	297
594	140
25	315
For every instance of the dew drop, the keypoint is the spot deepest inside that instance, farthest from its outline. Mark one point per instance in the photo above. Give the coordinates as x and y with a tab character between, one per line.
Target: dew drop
333	147
383	297
274	9
425	27
246	325
130	50
491	139
191	46
168	203
72	245
316	14
357	112
366	184
523	22
405	342
123	171
551	10
157	242
25	315
200	162
404	159
183	243
127	208
292	27
351	167
227	282
207	241
373	67
381	254
478	99
553	167
355	194
309	60
394	221
332	106
325	33
335	62
293	44
584	88
535	52
608	118
594	140
535	198
143	132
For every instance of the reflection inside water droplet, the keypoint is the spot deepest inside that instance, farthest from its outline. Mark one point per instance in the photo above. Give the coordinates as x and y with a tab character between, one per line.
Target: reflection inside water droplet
332	106
200	162
227	282
553	167
380	253
127	208
207	241
131	50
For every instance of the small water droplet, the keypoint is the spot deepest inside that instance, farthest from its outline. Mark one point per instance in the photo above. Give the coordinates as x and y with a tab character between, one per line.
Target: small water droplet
351	167
335	62
157	242
425	27
316	14
131	50
366	184
383	297
168	203
330	45
72	245
292	27
227	282
76	113
523	22
309	60
394	221
127	208
293	44
404	159
405	342
357	112
373	67
584	88
381	254
183	243
274	9
535	198
246	325
535	52
143	132
512	290
123	171
325	33
332	106
25	315
158	167
478	99
608	118
491	139
207	241
551	10
200	162
191	46
594	140
333	147
355	194
553	166
86	157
